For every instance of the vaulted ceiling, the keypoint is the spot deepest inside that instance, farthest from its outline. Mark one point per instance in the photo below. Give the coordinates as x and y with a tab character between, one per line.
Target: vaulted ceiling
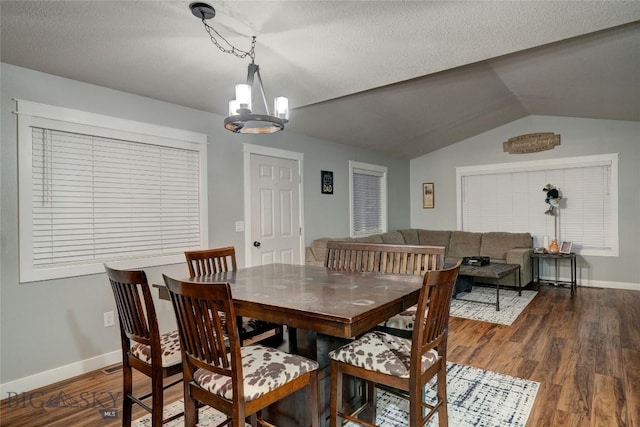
401	77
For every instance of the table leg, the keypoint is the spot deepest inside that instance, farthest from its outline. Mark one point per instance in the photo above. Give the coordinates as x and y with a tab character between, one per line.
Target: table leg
574	280
519	282
497	294
557	277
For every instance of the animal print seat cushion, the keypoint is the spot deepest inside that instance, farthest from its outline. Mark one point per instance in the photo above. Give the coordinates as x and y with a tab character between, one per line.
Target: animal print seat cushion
403	321
382	352
263	368
170	343
251	327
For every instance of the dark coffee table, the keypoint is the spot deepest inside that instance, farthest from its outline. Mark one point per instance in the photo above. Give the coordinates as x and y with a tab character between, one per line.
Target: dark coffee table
494	271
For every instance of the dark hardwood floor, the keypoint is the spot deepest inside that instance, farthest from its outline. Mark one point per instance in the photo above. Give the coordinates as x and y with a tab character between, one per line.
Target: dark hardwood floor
584	352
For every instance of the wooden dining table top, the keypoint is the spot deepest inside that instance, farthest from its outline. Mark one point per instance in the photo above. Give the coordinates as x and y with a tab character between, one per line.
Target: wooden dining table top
340	304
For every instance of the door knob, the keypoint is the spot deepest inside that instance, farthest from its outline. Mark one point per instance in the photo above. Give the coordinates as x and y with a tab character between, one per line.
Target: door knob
256	244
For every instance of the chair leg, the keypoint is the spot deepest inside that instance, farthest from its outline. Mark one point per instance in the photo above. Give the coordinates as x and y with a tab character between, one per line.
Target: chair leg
372	397
157	401
127	389
443	415
336	393
313	397
190	407
415	408
279	333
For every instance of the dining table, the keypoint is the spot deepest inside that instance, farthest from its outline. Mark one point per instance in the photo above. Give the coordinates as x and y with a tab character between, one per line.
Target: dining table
323	308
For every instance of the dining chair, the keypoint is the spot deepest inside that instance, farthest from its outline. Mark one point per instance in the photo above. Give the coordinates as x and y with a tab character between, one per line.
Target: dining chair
143	347
399	365
238	381
221	260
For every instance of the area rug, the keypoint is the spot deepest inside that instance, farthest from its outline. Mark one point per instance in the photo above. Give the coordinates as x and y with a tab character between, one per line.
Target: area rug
511	305
476	398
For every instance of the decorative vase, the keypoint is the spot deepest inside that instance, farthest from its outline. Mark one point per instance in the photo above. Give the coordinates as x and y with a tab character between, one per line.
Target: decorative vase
553	246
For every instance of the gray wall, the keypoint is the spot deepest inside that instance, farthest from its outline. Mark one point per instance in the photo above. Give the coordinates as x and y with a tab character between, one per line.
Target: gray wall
46	325
580	137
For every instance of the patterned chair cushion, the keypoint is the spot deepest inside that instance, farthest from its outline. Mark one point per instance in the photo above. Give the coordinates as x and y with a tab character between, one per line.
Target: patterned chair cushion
264	369
403	321
382	352
170	343
251	327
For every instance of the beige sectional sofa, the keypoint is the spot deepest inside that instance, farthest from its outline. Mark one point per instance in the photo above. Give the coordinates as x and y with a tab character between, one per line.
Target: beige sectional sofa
512	248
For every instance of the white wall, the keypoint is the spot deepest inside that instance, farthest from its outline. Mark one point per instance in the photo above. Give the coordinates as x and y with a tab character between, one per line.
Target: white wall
53	329
579	137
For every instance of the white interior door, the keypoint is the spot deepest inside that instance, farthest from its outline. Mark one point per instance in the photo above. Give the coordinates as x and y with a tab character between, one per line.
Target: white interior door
274	210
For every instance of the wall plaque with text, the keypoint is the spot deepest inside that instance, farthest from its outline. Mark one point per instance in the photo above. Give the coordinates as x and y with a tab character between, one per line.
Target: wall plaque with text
531	143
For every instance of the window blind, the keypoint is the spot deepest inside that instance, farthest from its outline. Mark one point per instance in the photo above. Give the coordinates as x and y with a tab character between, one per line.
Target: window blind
100	199
513	200
97	189
368	199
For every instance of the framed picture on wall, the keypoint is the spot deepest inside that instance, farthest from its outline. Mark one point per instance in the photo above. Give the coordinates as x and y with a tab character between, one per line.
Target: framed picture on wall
428	195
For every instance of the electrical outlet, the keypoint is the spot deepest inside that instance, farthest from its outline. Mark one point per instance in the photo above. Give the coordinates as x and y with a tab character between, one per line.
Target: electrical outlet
109	319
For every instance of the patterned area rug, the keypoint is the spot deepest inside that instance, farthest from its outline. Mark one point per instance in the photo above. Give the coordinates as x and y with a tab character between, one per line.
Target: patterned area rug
511	305
476	398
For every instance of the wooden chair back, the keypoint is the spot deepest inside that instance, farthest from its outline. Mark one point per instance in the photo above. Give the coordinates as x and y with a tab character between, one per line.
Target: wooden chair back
201	312
137	314
431	326
211	261
383	257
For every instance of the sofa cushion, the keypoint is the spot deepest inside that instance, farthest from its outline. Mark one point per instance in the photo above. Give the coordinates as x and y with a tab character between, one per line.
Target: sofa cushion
374	238
495	245
434	238
464	243
410	236
393	237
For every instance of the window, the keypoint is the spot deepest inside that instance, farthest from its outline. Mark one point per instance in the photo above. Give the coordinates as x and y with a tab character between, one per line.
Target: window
97	189
509	197
368	195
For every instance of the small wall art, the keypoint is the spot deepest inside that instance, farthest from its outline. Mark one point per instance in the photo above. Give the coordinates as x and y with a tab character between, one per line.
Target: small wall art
326	178
428	195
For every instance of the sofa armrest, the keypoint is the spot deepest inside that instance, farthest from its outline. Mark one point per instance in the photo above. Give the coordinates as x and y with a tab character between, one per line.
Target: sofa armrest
521	256
311	258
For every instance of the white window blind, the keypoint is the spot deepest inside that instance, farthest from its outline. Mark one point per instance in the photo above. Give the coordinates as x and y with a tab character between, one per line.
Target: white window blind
368	199
509	198
93	199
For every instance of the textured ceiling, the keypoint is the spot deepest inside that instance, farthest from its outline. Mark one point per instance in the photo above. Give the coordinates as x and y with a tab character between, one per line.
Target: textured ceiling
401	77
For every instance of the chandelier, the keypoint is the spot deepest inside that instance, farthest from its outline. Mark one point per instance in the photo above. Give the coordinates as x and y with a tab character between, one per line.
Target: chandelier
241	118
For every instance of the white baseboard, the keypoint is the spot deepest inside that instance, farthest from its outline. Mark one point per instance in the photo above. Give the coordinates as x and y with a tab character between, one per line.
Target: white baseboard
51	376
598	283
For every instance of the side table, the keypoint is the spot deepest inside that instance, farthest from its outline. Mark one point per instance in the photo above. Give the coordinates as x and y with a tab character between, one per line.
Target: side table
535	268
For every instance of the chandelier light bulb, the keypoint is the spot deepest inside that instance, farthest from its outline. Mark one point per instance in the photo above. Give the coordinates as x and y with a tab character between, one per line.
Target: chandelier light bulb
281	107
243	96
